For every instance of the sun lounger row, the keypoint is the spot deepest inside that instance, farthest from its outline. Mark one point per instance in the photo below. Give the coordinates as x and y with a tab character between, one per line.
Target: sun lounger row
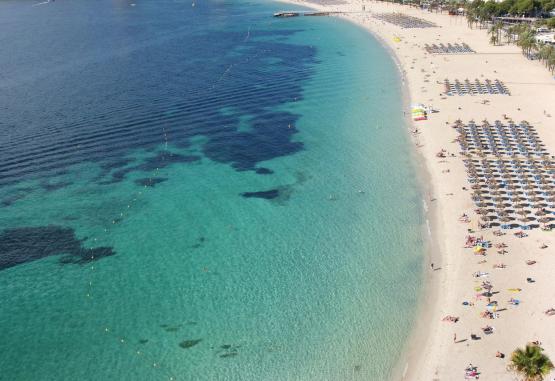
448	49
475	88
404	21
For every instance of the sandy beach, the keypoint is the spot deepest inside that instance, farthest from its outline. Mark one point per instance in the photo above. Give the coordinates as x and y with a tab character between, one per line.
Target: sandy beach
441	350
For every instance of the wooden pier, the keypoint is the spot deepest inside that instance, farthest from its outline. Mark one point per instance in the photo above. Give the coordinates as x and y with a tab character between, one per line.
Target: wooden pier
296	14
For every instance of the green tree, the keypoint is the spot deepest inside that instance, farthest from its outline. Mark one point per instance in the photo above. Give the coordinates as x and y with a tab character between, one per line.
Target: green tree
493	39
548	5
470	17
495	32
530	363
510	32
498	29
505	6
485	10
550	63
527	40
491	9
526	7
546	53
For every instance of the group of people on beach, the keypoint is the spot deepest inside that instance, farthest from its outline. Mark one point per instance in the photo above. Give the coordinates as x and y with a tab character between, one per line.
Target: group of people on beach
480	246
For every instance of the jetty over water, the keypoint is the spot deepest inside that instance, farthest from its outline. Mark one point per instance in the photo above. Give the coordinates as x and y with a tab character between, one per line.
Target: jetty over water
304	13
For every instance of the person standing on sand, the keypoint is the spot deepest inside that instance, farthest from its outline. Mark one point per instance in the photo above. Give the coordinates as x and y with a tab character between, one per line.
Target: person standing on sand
455	338
432	266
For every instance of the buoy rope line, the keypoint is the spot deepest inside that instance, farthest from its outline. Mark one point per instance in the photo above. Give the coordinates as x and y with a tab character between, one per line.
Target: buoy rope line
142	354
148	359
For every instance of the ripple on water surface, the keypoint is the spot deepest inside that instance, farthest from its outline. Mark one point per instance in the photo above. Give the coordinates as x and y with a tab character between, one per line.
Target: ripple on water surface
201	193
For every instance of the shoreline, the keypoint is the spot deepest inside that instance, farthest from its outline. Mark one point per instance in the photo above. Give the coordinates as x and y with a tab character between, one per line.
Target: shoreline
417	336
429	351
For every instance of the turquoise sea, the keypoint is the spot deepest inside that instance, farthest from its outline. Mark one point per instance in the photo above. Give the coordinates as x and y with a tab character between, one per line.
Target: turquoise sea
199	191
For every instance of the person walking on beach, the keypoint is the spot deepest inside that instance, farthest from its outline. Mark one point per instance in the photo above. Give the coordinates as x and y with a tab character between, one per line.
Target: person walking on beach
432	266
455	338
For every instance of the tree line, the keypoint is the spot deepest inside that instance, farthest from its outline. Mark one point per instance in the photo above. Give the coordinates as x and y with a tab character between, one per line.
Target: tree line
486	10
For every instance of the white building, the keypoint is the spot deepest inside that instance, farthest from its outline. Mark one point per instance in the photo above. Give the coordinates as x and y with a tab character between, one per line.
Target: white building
546	38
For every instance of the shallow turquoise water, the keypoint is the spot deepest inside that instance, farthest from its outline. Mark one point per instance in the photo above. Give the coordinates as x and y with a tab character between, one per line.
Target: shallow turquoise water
318	283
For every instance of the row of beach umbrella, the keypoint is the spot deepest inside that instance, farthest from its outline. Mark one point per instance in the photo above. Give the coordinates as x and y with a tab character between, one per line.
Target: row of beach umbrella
475	87
516	190
448	49
404	21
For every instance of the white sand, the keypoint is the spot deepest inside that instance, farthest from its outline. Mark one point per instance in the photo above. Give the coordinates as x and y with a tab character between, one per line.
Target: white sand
432	354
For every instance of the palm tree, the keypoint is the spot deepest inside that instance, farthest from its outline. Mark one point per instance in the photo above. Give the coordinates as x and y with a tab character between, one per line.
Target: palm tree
546	53
494	31
530	363
470	16
493	39
511	30
498	28
527	40
542	51
551	62
483	17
